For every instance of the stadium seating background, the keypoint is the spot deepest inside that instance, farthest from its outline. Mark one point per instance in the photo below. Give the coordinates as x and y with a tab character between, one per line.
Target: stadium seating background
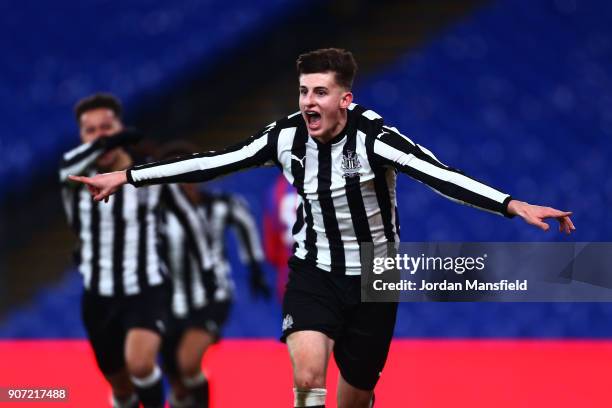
525	109
56	54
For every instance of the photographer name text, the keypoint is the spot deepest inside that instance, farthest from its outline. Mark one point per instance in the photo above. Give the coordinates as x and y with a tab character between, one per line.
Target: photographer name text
445	285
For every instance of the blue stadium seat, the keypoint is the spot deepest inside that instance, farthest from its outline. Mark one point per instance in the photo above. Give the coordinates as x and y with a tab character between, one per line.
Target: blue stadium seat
56	55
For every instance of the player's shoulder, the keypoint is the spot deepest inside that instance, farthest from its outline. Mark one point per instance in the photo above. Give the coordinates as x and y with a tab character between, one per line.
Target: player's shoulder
364	113
364	119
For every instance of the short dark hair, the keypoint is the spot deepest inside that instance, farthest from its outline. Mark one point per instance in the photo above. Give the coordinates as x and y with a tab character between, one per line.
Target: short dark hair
336	60
96	101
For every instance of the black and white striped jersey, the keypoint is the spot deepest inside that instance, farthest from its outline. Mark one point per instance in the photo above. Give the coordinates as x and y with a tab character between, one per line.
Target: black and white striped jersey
193	285
118	251
347	186
223	212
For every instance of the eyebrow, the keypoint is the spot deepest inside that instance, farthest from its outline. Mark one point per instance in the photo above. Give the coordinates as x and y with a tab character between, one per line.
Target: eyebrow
316	88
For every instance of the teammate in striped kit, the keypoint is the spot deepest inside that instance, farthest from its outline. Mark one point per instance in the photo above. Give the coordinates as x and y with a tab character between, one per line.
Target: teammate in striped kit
201	299
126	292
343	161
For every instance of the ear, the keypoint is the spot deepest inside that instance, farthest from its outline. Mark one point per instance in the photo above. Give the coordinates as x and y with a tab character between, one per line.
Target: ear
346	100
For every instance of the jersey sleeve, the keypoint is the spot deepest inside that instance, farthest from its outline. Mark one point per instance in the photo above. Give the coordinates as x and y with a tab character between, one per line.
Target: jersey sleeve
78	160
258	150
394	149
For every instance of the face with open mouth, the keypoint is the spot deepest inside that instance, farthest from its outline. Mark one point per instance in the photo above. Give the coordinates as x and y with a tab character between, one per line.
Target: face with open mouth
323	104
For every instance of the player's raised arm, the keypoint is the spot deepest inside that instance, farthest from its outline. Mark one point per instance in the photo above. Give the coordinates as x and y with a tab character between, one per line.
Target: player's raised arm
397	150
258	150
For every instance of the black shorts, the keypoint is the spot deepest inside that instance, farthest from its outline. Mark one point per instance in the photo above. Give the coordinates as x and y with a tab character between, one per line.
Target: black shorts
331	304
210	318
108	319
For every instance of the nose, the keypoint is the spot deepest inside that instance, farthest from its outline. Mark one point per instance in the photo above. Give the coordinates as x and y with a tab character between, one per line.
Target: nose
308	99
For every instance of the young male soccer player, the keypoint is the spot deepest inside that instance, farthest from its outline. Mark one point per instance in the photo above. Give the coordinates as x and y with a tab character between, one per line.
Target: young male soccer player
343	160
125	301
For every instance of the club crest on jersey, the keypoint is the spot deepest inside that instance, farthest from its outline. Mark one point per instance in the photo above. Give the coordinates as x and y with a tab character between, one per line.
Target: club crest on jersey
350	164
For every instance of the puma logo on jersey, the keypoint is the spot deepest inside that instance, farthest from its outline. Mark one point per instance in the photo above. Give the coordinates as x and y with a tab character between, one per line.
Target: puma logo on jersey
294	157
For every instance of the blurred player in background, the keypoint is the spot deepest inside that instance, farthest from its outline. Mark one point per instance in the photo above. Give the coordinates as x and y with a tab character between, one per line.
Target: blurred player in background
124	304
279	218
201	298
343	161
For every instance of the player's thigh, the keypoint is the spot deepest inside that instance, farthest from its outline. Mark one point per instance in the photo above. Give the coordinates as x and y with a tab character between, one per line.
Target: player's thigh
102	321
309	352
192	347
311	303
141	347
145	321
361	351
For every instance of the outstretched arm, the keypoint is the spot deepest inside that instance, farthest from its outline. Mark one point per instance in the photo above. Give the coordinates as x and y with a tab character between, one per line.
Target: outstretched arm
397	150
392	148
535	215
255	151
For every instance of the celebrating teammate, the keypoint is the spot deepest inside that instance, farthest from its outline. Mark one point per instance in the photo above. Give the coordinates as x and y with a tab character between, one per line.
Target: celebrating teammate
125	301
201	298
343	160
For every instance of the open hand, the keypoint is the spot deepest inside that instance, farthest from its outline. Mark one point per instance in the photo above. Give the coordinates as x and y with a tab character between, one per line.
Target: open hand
535	215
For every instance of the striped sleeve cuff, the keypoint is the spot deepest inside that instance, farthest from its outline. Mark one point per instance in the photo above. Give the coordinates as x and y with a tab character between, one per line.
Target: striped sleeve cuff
130	179
505	207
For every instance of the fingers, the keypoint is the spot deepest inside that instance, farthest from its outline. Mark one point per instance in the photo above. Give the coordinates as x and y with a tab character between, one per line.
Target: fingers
101	195
538	223
553	212
80	179
543	226
535	215
566	224
569	222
